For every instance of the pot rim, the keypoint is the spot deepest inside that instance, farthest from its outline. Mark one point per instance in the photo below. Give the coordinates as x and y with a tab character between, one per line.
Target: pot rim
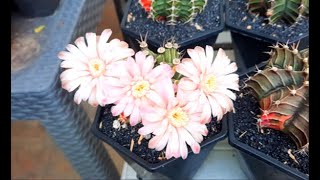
201	35
149	166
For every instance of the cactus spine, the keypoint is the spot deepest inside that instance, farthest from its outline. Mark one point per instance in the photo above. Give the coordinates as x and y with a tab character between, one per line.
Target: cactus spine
168	53
287	10
282	89
173	10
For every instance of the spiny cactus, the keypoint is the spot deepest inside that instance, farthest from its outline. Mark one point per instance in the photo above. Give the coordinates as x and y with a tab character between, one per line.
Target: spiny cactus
168	53
173	10
286	10
282	89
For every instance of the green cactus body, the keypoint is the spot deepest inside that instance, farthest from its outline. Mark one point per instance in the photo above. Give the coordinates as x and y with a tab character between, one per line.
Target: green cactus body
288	104
284	57
298	126
168	54
266	103
174	10
268	81
286	10
258	6
282	89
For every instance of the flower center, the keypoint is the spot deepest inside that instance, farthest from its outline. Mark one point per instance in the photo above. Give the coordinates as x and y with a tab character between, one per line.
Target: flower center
97	67
210	83
178	117
140	88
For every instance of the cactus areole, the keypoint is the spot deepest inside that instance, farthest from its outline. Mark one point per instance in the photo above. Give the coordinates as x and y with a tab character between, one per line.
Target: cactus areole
282	89
173	10
287	10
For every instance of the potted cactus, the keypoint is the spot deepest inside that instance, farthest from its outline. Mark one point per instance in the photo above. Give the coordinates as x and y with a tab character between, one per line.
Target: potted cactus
271	124
162	113
189	23
257	24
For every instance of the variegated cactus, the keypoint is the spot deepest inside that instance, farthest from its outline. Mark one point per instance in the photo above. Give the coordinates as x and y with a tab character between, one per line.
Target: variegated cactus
173	10
282	89
286	10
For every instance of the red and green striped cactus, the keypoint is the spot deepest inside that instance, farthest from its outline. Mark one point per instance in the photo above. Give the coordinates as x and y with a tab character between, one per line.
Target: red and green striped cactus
173	10
282	89
287	10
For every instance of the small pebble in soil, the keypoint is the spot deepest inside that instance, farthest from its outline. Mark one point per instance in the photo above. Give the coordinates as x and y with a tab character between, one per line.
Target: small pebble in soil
272	142
124	125
124	136
244	18
147	137
116	124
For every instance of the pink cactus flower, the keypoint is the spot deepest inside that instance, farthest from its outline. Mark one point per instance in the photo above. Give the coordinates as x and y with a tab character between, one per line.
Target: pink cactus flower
135	83
208	82
88	65
174	126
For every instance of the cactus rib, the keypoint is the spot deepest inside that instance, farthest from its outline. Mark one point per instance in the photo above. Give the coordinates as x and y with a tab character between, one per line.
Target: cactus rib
282	89
173	10
287	10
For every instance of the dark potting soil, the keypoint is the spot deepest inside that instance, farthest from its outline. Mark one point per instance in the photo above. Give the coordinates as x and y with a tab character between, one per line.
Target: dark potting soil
123	136
271	142
240	17
209	20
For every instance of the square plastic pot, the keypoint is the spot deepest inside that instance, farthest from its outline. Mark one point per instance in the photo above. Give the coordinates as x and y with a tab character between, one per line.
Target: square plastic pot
249	45
201	38
174	168
36	8
254	163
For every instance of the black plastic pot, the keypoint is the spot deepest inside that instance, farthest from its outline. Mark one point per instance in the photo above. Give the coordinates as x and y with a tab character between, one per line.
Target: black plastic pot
169	169
254	163
36	8
201	38
249	44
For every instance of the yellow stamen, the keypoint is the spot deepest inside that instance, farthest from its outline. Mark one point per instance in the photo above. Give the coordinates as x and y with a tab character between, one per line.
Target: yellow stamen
97	67
210	83
178	117
140	88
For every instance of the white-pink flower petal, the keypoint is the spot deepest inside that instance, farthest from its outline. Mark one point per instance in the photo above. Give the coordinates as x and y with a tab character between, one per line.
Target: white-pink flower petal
148	128
81	44
92	45
102	42
163	141
135	116
147	65
176	127
85	66
215	78
137	79
187	84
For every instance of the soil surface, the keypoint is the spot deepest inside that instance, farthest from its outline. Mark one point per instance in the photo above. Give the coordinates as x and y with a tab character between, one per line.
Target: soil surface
271	142
240	17
139	23
123	136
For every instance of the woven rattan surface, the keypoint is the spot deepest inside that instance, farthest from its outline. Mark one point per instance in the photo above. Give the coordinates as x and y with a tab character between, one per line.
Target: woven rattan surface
36	91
